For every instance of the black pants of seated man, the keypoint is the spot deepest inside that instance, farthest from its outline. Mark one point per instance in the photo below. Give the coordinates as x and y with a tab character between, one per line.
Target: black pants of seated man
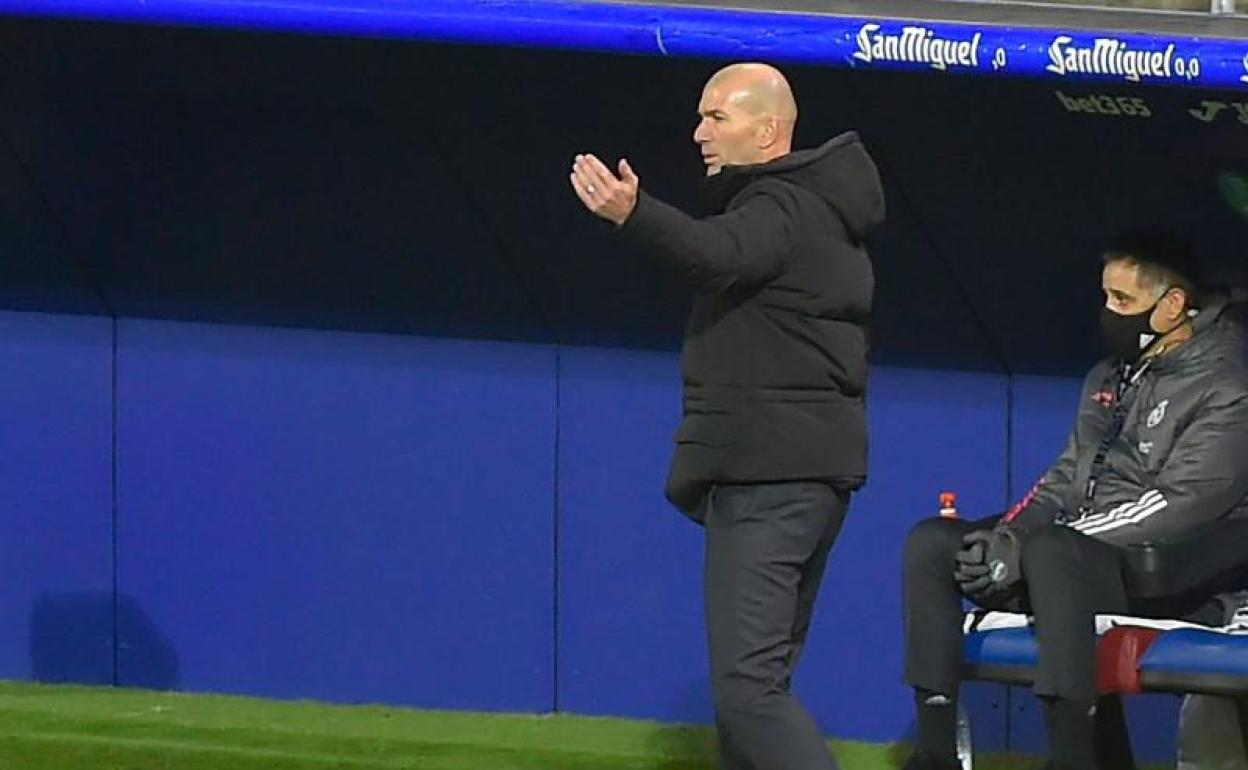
766	548
1068	578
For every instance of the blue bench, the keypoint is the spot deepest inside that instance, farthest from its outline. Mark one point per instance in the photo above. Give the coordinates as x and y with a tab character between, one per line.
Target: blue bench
1136	659
1191	660
1130	660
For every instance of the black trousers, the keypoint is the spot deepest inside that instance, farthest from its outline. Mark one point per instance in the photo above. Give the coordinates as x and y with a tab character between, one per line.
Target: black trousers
766	548
1068	578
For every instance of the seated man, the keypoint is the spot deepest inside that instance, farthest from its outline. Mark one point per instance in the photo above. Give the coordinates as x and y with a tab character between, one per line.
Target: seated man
1159	448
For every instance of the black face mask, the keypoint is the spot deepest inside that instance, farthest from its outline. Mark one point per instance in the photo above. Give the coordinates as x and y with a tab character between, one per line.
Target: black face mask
1128	336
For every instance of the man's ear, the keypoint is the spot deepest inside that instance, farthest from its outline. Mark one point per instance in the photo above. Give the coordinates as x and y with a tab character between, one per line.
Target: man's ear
768	132
1174	304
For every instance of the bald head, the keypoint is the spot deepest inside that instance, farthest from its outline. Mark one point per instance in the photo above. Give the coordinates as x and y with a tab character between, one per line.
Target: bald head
760	89
748	114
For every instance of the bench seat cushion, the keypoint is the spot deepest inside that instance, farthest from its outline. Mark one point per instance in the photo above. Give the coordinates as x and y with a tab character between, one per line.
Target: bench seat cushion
1191	660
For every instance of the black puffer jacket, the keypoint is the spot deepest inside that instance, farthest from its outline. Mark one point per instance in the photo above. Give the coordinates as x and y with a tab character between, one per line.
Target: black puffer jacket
1181	460
775	350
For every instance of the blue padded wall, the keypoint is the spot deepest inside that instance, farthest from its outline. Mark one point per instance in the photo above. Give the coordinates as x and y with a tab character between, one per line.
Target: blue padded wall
1043	414
372	518
631	630
56	604
338	516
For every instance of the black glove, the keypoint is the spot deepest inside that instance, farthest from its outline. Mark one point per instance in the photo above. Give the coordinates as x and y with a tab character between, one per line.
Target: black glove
988	564
969	566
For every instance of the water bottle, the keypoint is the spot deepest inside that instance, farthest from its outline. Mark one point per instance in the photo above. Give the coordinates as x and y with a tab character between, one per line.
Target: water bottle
949	505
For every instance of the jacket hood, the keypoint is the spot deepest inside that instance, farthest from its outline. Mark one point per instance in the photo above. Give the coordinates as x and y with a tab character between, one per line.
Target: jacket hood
1218	338
839	171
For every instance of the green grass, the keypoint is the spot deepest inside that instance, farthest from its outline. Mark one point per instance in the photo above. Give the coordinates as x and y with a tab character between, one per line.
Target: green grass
65	728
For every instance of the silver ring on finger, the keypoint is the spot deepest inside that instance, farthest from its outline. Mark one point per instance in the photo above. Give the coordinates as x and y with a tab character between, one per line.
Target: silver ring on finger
589	189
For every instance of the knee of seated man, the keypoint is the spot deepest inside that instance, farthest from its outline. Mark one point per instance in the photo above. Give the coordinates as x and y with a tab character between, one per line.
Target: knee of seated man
932	538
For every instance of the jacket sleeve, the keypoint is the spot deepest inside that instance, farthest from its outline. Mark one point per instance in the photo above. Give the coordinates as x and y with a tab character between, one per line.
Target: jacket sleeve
747	245
1043	503
1204	476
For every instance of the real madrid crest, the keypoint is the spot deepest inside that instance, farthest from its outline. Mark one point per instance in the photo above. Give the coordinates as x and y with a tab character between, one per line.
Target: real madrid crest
1158	414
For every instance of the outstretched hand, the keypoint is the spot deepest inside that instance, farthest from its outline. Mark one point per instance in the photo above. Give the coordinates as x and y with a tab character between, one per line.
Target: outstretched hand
610	197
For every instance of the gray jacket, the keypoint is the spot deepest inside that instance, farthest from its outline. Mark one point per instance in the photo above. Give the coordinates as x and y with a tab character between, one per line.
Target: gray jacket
1181	458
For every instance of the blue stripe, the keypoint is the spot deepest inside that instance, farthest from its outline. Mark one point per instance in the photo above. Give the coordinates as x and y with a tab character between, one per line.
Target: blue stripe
716	32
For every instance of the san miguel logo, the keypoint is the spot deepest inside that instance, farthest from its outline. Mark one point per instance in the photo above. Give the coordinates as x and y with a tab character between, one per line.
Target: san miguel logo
1107	56
917	45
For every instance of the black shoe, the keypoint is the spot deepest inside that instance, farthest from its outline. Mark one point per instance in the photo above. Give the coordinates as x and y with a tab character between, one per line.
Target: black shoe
921	760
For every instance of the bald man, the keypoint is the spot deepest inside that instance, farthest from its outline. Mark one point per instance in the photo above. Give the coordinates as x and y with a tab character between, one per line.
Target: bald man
773	440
